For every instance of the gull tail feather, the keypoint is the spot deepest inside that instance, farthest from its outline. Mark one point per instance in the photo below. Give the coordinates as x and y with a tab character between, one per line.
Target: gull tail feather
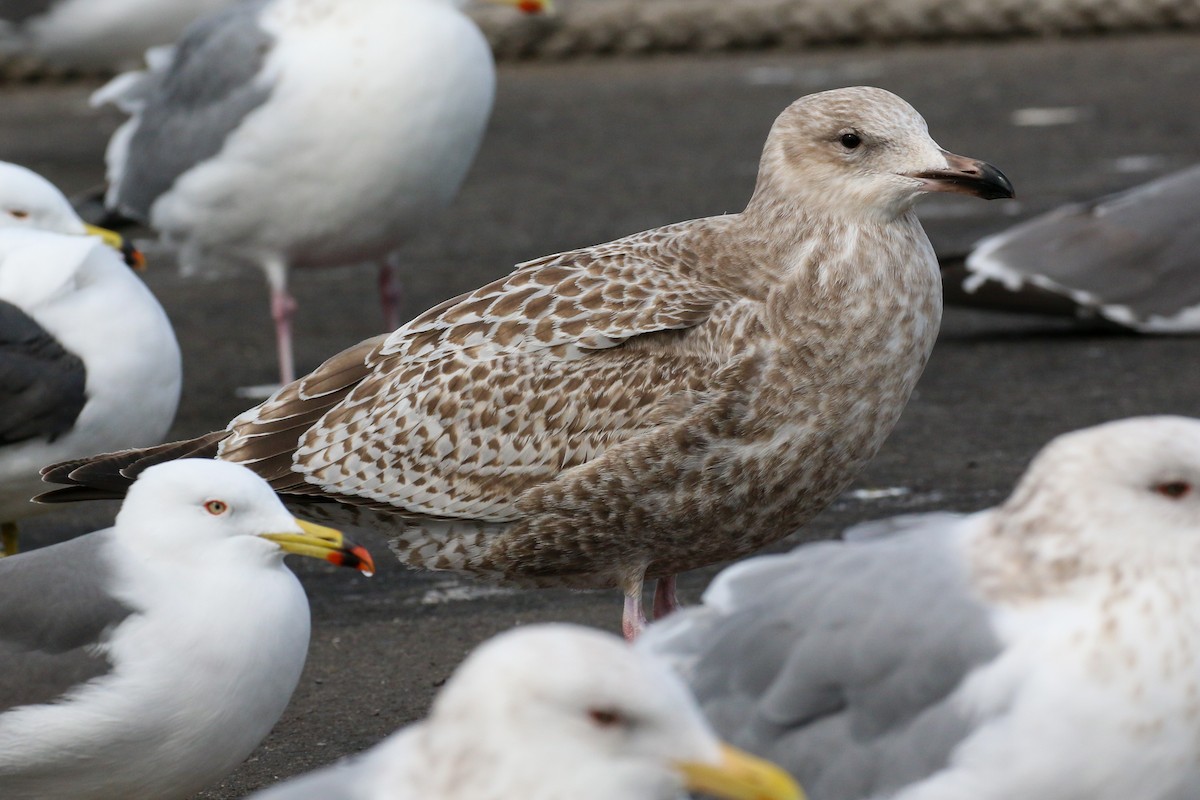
108	476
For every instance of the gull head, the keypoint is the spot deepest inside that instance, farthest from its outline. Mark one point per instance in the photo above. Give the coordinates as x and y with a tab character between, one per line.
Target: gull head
563	711
27	200
864	152
196	511
1115	495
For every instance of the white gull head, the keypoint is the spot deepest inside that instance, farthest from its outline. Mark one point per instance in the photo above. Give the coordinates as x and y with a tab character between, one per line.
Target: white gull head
27	200
555	711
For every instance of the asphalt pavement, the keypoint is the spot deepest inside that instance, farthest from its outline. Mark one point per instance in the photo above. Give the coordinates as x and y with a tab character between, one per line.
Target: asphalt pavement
585	151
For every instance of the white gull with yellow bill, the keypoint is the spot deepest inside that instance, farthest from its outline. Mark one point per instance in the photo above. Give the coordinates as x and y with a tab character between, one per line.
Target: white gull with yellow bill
149	659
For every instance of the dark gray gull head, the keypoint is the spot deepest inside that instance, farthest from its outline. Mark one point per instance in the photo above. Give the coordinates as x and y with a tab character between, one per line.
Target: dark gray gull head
551	711
1036	649
150	658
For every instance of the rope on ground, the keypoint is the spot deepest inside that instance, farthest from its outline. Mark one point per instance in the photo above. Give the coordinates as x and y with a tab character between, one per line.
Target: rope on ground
632	27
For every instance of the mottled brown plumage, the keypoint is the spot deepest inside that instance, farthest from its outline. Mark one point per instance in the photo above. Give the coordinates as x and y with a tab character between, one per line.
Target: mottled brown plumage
675	398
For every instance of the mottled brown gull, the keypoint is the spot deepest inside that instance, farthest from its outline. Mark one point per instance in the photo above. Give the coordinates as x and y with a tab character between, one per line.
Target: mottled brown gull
1043	648
631	410
547	712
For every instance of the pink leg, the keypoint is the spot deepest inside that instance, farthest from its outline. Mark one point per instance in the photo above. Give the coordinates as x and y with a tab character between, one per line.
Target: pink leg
283	305
665	600
391	291
633	621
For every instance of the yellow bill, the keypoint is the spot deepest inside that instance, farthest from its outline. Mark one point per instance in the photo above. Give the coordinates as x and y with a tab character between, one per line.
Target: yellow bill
327	544
739	776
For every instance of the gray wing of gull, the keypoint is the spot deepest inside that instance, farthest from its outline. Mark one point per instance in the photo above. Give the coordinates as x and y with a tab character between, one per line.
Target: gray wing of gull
1131	258
839	660
56	610
42	385
189	106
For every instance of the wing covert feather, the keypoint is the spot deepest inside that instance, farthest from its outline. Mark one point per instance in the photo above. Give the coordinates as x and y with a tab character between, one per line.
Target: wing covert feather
501	389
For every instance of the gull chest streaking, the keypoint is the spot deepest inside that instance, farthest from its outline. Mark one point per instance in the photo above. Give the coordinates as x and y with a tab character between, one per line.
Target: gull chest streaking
298	133
88	359
1044	648
658	403
145	661
546	712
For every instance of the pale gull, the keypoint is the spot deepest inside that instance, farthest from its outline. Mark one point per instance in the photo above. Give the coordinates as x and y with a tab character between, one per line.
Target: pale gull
94	34
88	359
1129	260
303	133
547	712
676	398
1044	648
147	660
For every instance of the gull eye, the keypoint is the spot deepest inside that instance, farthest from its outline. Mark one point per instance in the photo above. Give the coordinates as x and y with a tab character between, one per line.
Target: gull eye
18	213
605	717
216	507
850	140
1174	489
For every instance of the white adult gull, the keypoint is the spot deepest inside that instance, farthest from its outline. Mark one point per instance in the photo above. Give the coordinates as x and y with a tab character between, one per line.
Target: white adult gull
631	410
303	133
1043	648
551	711
147	660
1129	260
94	34
87	357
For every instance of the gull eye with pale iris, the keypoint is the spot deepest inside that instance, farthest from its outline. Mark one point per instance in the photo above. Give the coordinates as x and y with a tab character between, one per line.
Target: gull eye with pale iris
216	507
1175	490
850	140
605	717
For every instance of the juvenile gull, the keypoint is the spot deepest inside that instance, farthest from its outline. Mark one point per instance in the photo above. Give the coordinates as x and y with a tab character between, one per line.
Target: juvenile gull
551	711
94	34
303	133
88	359
147	660
1042	648
634	409
1130	260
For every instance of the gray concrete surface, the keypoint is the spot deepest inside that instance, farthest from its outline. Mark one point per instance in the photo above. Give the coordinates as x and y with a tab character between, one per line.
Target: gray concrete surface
583	152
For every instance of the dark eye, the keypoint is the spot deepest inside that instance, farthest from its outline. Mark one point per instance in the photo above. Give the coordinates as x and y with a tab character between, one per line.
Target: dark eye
216	507
1174	489
17	213
850	140
605	717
